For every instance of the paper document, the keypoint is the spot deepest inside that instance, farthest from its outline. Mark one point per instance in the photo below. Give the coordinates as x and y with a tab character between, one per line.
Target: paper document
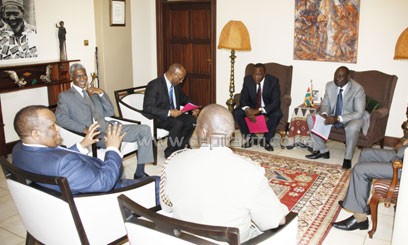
257	127
189	107
320	128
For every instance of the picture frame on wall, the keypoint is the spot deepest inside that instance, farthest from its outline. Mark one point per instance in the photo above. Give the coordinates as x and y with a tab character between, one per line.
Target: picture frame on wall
118	12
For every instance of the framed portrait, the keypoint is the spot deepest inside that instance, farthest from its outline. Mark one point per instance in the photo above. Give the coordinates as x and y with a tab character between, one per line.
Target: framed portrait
117	12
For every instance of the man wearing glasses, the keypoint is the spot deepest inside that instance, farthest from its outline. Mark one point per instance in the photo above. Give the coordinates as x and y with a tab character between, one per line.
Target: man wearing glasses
81	106
162	101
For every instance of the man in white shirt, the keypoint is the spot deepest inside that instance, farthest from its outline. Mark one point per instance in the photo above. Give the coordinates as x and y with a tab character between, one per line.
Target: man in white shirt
212	185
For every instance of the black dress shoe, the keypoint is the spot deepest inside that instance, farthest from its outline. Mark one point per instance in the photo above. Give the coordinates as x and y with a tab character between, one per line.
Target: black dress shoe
268	147
351	224
317	155
368	212
247	144
346	164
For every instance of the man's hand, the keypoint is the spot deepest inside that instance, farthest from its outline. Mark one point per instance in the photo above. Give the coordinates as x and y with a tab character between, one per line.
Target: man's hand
196	112
175	113
90	138
113	136
330	120
251	114
94	90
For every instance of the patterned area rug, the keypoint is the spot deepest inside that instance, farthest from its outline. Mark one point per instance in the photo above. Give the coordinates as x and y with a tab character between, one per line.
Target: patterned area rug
308	188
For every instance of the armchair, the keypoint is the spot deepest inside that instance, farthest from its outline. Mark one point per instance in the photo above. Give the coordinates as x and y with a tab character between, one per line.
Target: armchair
52	217
379	86
147	226
70	138
384	191
130	105
284	74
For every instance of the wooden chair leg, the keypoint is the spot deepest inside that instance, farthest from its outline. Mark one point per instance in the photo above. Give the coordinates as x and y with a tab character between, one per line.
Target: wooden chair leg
374	215
282	134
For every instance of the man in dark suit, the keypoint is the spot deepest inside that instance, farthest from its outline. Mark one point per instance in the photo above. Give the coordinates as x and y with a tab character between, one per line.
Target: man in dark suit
162	101
260	95
80	106
343	105
39	152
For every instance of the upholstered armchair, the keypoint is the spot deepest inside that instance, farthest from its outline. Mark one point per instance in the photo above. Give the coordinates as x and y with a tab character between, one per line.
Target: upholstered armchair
284	74
380	87
384	191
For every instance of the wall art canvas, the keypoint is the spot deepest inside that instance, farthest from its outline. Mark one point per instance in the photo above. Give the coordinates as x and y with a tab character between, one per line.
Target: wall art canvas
18	32
326	30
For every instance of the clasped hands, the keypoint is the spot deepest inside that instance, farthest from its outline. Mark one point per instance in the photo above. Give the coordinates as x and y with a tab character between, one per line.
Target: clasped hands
94	90
176	113
251	113
112	138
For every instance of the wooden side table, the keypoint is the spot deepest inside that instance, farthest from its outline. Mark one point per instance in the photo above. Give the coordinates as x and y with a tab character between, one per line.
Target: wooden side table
298	134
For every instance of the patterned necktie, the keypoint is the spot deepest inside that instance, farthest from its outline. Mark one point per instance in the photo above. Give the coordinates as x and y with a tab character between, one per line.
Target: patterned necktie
259	97
171	98
339	103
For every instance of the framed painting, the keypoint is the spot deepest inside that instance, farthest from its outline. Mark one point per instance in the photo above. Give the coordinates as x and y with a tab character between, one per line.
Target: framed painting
326	30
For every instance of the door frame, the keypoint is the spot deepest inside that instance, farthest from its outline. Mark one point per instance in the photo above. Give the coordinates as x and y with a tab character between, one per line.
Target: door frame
161	69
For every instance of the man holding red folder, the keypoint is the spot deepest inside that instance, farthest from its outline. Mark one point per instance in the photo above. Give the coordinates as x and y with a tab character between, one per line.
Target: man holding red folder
260	95
162	101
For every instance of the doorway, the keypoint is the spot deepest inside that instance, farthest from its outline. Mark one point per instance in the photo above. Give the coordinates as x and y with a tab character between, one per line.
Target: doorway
186	33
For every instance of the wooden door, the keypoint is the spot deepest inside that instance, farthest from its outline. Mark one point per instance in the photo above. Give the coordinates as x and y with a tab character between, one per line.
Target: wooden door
186	35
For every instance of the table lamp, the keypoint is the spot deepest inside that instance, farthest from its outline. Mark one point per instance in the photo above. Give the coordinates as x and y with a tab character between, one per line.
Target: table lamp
234	36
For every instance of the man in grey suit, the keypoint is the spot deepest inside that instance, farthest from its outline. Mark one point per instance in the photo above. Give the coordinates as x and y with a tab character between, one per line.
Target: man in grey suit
343	105
80	106
372	164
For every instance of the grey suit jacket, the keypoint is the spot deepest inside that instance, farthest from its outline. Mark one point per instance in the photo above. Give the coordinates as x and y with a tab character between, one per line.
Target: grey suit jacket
354	101
75	114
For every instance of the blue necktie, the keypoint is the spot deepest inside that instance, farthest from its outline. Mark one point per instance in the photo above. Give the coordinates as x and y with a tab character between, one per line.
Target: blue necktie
339	103
339	108
171	98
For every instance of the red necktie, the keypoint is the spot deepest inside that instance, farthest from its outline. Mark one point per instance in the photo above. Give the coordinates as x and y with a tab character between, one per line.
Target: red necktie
259	97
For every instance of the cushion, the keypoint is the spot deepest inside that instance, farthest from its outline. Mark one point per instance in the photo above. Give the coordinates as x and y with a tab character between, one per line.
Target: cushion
371	104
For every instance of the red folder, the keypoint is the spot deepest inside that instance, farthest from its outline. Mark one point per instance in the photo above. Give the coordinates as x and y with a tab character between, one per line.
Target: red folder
257	127
189	107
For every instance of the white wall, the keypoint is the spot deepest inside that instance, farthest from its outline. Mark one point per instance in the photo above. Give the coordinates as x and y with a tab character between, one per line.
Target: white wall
270	24
78	16
144	41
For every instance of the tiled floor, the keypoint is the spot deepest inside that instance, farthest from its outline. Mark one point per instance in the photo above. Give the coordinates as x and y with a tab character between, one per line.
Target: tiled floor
12	231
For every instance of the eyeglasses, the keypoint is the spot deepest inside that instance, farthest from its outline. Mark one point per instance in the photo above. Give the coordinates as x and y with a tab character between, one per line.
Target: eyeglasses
80	76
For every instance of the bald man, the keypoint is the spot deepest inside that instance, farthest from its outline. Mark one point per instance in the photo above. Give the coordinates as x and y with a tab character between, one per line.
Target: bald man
212	185
162	101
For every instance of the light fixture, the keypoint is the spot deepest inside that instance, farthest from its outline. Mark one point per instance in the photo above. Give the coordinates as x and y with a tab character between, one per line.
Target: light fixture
234	36
401	52
401	48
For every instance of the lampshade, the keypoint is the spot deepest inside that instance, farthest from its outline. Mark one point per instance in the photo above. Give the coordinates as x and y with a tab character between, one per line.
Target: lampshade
401	48
234	36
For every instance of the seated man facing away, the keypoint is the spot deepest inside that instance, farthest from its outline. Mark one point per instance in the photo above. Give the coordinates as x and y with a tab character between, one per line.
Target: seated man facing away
212	185
39	152
343	105
162	101
372	164
260	95
80	106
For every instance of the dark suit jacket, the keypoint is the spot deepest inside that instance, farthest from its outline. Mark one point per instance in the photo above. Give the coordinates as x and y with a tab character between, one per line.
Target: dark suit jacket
270	94
156	102
84	173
